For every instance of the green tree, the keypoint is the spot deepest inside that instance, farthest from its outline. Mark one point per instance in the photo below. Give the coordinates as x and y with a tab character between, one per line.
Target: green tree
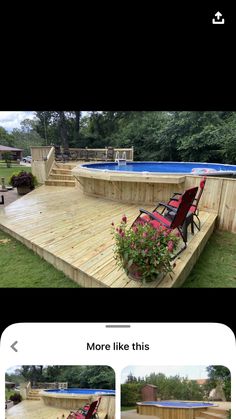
130	394
219	374
6	139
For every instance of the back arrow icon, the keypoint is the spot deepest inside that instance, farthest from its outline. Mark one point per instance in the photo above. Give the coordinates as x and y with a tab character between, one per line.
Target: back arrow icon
13	346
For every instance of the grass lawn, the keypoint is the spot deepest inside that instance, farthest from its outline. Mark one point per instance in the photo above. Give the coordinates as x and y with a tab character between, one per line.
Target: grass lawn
123	408
216	267
22	268
9	393
7	172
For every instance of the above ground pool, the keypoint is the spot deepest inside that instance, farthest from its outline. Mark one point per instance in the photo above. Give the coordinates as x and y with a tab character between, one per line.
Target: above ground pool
162	167
180	404
82	391
176	409
75	398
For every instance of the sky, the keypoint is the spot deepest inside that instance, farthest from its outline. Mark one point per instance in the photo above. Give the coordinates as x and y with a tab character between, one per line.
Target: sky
191	372
10	120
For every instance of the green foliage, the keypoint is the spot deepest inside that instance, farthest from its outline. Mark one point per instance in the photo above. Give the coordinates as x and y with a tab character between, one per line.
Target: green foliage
168	136
26	138
144	249
92	376
16	398
8	172
23	178
168	388
219	374
7	158
6	139
130	393
219	252
8	393
32	271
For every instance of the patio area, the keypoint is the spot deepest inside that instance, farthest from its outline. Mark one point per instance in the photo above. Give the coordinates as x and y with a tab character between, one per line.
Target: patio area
30	409
72	231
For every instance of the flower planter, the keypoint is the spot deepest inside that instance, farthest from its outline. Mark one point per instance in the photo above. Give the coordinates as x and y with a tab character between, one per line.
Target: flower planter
23	190
134	274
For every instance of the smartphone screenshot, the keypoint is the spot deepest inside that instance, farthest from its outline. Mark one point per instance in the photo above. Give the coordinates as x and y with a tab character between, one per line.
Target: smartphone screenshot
128	370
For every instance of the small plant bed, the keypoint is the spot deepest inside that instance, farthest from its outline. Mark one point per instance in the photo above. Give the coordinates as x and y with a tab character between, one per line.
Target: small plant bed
216	267
22	268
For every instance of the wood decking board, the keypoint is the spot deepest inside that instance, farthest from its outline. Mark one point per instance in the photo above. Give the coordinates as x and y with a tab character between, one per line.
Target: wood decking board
73	232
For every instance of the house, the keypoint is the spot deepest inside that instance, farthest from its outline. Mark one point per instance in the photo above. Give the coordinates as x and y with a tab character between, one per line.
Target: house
16	153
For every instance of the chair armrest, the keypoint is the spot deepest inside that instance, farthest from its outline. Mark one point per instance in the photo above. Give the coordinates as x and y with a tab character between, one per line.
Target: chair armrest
176	193
150	214
169	207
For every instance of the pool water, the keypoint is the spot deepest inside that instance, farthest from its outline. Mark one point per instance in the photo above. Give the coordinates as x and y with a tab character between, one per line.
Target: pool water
82	391
179	404
159	167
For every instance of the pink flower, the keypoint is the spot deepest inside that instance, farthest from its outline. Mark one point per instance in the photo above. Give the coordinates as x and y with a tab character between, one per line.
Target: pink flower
124	219
144	234
146	251
122	234
135	229
177	233
170	246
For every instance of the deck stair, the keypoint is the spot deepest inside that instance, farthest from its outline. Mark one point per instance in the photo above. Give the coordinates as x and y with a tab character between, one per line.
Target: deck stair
33	395
212	413
60	175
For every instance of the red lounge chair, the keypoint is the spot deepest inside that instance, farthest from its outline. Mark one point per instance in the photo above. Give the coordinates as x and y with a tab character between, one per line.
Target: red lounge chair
174	202
86	412
174	218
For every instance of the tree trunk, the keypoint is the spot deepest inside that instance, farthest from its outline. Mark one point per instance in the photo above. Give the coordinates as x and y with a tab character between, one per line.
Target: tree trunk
77	128
63	130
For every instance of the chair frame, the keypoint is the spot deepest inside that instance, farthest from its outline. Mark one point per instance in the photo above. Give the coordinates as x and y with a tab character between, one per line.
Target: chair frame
88	413
195	213
171	216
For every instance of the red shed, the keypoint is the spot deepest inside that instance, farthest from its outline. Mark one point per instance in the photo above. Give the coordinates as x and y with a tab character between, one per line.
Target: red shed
149	393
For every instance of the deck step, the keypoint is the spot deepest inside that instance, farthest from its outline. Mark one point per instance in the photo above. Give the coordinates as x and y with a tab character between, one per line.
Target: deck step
33	398
216	410
57	171
64	166
54	176
58	182
214	415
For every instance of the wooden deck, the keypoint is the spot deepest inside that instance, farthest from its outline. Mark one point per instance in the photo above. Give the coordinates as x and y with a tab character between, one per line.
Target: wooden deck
73	232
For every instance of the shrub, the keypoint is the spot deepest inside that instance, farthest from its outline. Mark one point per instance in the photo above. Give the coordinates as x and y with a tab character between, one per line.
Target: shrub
16	398
23	179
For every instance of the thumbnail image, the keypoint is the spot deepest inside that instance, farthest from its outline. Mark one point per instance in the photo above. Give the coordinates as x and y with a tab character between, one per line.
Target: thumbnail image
176	392
60	392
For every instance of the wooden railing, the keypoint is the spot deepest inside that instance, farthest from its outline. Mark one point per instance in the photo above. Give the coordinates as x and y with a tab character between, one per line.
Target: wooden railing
42	162
99	154
40	153
49	162
52	386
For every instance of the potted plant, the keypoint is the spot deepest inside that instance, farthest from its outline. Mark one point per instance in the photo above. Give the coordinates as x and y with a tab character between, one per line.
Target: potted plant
23	181
143	251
